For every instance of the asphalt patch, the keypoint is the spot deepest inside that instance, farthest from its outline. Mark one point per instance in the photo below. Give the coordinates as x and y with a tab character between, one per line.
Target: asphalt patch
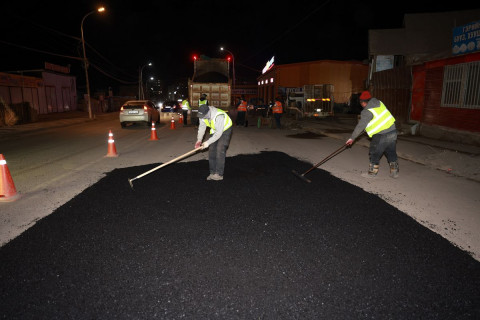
261	244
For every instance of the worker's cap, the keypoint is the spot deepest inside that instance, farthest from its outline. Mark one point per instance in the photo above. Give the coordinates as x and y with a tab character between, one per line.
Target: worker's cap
203	95
203	111
365	96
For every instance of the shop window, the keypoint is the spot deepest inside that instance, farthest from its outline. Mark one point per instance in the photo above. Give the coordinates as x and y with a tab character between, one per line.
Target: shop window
460	86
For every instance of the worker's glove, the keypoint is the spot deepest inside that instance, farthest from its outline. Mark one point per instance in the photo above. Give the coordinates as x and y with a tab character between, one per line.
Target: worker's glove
204	145
349	142
198	144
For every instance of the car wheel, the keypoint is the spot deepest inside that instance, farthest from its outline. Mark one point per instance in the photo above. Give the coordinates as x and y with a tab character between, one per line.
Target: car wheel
123	124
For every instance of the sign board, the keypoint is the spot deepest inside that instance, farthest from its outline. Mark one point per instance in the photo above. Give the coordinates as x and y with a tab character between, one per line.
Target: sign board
57	68
384	63
269	65
466	38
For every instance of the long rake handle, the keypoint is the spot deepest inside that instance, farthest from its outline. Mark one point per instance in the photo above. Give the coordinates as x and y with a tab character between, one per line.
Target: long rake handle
166	164
333	154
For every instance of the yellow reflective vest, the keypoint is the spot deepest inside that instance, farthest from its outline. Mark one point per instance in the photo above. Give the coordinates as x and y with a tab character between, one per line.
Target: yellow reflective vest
382	119
201	102
211	122
185	105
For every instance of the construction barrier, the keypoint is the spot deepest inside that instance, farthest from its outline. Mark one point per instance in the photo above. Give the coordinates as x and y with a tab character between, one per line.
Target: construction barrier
153	135
7	187
112	150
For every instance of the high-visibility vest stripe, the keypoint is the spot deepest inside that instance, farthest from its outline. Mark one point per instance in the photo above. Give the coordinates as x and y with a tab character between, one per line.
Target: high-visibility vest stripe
382	119
242	106
211	122
277	108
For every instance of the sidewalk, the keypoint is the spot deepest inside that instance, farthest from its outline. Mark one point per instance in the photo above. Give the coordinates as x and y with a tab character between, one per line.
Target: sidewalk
53	120
453	157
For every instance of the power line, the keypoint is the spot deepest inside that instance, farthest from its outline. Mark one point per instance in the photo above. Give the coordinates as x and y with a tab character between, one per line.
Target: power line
110	76
40	51
70	57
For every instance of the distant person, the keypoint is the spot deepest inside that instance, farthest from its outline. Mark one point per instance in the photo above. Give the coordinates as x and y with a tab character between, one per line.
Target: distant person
185	111
202	101
277	110
241	112
220	126
110	100
379	124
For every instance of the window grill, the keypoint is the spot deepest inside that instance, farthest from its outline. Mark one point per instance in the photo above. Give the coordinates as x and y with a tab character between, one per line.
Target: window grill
461	86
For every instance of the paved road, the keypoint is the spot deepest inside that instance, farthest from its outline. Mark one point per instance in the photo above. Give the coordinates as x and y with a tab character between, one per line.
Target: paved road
273	248
261	244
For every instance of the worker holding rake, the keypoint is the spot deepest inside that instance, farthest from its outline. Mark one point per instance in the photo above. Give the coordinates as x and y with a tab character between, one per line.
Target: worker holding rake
379	124
220	125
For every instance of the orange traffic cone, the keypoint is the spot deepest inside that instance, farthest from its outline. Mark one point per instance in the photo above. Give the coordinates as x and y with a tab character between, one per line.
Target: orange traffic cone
153	135
172	124
180	120
112	150
7	188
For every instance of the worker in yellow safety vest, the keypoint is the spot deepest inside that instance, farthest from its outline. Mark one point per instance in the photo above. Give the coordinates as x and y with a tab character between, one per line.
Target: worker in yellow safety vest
202	101
185	111
277	110
220	126
379	124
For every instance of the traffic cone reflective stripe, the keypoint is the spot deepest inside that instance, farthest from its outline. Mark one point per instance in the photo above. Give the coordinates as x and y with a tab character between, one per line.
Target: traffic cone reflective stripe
153	135
112	150
7	187
172	124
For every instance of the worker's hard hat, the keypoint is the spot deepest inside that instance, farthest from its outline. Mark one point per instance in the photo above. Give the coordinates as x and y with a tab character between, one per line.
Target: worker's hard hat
365	95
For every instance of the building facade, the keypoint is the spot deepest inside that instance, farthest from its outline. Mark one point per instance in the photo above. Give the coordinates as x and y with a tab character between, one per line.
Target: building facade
429	72
347	77
46	90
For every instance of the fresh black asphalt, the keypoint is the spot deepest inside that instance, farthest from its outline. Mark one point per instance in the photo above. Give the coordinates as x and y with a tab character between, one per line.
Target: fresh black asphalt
261	244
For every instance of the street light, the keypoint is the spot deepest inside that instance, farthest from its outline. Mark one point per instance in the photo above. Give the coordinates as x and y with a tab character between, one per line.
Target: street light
233	64
146	87
85	63
141	95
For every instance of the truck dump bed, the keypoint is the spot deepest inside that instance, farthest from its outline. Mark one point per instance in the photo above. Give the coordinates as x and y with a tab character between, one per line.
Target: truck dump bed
211	76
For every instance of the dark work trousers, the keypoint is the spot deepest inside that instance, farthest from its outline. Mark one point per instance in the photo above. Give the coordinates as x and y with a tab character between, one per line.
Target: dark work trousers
240	118
217	152
277	119
383	144
185	116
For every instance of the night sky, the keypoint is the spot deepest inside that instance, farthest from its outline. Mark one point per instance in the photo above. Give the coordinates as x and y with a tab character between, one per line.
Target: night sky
131	33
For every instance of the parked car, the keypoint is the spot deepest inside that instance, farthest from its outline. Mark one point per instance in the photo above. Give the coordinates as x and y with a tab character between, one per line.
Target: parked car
139	111
171	106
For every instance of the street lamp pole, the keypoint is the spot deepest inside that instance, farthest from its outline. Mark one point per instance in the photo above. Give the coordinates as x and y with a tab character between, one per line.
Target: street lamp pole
141	94
233	65
85	62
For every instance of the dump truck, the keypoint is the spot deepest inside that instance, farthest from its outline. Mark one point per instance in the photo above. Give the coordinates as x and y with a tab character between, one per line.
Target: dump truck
314	100
212	77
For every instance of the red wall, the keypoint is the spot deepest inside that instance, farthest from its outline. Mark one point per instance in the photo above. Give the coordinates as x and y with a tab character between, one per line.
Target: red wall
429	110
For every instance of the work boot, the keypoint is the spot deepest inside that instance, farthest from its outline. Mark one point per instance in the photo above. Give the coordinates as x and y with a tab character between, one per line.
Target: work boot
372	171
216	177
394	169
